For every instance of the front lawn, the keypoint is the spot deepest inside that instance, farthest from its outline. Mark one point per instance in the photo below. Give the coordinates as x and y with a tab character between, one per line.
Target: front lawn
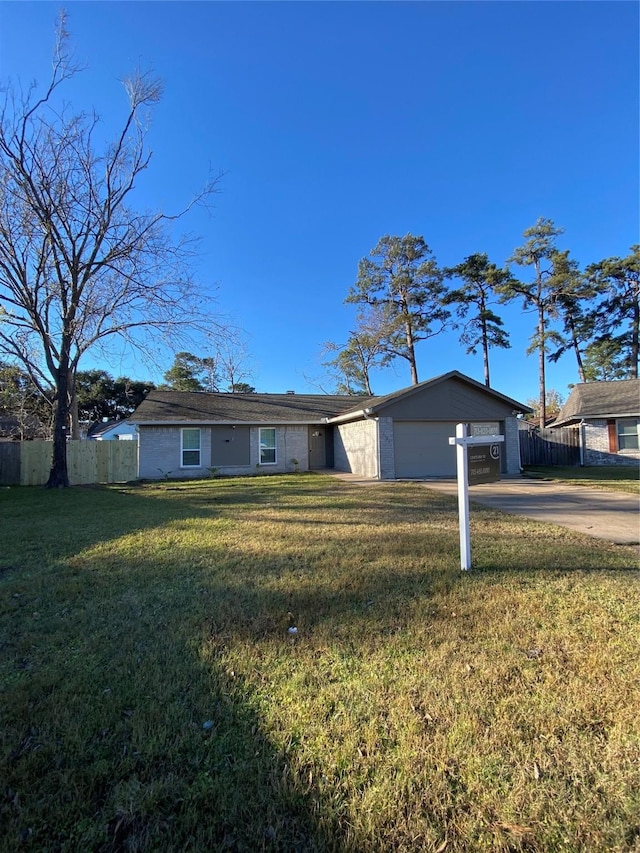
622	478
153	698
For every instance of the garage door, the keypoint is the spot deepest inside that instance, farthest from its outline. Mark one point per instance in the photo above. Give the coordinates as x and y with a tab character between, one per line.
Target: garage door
423	450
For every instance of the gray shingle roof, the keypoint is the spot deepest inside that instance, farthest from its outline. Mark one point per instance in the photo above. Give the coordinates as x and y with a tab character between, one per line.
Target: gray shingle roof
203	407
618	398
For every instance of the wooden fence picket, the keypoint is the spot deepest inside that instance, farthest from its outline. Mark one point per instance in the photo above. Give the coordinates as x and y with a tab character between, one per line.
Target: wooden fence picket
28	463
550	446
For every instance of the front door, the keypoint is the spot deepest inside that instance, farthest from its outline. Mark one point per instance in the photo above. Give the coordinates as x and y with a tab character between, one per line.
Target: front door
317	448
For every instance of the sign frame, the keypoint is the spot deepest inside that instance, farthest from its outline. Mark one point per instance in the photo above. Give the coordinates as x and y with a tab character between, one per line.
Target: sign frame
462	441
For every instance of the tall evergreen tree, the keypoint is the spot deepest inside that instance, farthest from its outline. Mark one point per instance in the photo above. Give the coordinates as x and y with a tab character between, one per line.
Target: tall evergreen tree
574	300
401	277
603	361
617	316
99	396
482	328
538	295
192	373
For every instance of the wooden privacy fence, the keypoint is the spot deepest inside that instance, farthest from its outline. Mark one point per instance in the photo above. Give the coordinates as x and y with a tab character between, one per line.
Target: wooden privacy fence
550	446
27	463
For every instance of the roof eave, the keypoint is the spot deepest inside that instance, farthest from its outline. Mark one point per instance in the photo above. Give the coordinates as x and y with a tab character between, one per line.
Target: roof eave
351	416
210	422
594	416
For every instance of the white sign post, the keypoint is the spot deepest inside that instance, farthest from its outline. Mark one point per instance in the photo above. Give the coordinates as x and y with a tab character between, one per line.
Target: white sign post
462	441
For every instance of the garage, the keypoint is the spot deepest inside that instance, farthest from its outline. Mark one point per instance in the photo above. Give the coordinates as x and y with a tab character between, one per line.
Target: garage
422	449
405	435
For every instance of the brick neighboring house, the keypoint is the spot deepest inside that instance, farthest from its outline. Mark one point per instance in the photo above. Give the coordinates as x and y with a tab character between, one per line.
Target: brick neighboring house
401	435
608	417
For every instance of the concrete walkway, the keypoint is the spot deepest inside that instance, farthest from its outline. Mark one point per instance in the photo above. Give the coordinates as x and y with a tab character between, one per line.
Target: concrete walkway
604	514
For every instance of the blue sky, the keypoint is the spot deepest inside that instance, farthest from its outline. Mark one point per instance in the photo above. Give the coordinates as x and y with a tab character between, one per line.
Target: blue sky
337	123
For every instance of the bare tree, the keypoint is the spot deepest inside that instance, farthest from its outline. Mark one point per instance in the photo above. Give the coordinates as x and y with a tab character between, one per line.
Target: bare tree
19	399
78	265
232	360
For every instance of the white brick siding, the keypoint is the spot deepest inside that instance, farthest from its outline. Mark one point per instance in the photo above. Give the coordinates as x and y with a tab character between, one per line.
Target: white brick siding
355	448
386	452
596	446
362	447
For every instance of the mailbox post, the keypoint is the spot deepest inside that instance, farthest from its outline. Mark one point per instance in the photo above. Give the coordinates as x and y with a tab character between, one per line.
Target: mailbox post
477	461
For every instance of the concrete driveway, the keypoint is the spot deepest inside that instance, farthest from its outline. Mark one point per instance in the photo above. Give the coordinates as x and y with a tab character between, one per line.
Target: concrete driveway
604	514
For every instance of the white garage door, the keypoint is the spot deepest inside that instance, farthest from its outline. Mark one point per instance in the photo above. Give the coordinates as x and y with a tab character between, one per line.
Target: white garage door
423	450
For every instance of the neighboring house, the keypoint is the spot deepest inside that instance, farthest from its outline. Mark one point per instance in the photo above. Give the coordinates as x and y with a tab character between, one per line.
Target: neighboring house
112	431
607	415
401	435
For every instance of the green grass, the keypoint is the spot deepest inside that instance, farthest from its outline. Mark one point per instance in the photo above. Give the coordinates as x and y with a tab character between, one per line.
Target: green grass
152	698
623	478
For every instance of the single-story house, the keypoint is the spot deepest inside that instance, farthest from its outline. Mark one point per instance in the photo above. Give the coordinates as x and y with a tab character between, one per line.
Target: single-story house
400	435
112	430
607	414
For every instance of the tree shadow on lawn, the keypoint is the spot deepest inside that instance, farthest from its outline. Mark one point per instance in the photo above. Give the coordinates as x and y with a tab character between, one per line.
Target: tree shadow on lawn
97	757
117	734
165	762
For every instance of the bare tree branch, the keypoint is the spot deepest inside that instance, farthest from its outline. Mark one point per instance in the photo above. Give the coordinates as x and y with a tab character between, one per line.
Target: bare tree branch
79	265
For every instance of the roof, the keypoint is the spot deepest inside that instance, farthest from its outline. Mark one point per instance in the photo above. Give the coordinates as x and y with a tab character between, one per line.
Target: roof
374	405
204	407
100	427
614	399
161	407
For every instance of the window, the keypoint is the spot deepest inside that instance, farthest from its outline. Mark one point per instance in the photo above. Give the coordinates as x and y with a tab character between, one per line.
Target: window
268	446
190	448
627	433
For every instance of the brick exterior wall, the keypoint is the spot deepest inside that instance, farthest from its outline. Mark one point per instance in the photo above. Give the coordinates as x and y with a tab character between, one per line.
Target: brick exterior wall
511	446
387	457
355	448
361	447
596	446
159	453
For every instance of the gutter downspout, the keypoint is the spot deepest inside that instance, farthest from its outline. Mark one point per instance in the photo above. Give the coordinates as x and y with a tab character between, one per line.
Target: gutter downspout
370	417
582	440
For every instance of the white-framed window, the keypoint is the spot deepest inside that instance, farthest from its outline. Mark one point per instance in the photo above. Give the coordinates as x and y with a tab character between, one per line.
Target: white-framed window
627	429
190	448
267	441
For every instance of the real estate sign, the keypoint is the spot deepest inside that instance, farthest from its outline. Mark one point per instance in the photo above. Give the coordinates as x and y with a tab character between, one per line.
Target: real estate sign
483	463
488	428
